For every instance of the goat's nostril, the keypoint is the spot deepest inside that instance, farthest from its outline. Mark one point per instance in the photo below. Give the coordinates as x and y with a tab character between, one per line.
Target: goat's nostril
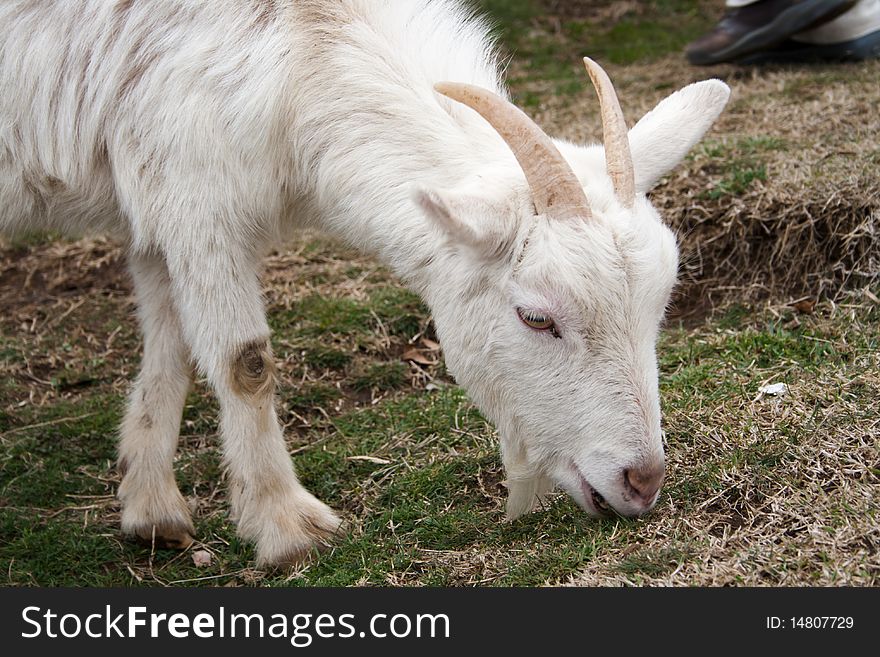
644	482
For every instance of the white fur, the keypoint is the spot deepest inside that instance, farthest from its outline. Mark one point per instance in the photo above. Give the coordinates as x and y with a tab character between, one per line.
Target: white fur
200	132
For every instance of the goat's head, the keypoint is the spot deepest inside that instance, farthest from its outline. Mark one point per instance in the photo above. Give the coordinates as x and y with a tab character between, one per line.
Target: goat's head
551	319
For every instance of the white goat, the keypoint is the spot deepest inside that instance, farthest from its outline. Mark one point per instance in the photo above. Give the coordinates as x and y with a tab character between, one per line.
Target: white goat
200	132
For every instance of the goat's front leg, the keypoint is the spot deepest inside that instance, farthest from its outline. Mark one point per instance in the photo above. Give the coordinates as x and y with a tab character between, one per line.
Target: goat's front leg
152	506
221	309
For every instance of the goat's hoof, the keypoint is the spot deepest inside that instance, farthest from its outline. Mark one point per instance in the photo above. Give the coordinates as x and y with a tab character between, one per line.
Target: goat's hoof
172	536
300	536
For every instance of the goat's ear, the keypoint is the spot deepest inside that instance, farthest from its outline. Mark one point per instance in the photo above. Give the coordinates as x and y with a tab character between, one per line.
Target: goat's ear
443	209
664	135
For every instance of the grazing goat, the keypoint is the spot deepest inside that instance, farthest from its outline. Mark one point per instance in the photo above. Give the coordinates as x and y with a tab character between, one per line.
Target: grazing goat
199	133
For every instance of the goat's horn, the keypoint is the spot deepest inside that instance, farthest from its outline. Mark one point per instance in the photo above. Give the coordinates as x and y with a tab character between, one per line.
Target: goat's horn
618	158
556	191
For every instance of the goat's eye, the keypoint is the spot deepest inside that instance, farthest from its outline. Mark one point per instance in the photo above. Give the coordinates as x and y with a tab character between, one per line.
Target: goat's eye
537	321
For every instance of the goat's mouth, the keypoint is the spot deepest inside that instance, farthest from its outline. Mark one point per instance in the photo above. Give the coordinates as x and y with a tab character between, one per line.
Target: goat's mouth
593	499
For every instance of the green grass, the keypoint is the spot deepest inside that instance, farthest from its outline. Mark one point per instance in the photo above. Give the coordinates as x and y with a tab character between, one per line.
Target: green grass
23	241
419	477
636	39
326	358
311	396
84	430
549	48
319	316
380	376
397	311
739	163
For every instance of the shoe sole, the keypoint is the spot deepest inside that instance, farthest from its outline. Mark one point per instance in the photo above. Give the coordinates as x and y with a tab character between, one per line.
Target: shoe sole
856	50
791	21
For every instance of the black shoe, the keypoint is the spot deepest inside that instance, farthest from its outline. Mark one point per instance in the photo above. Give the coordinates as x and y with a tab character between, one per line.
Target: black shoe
855	50
760	26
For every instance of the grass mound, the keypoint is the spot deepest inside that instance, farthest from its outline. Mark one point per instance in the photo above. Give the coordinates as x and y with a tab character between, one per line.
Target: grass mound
784	197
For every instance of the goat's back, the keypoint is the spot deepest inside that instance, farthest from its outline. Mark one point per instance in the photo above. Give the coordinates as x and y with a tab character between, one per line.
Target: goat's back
117	116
